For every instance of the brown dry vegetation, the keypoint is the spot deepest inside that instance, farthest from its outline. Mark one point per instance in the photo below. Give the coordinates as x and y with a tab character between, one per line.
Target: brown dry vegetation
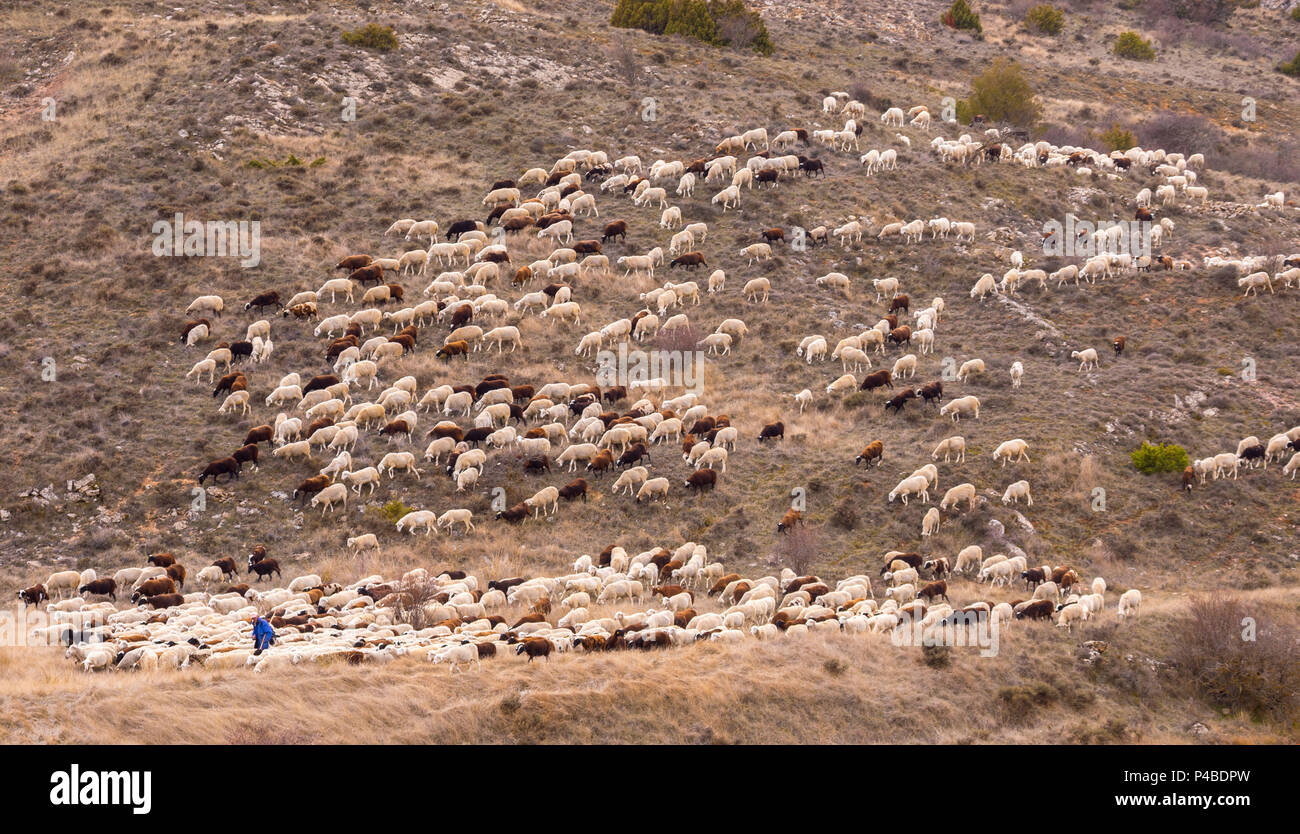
437	121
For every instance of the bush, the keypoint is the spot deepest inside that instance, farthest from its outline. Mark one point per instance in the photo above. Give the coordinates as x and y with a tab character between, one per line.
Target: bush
392	511
1131	45
1292	67
716	22
961	16
1118	139
1045	18
1213	650
1150	459
1295	14
1001	93
372	36
1185	132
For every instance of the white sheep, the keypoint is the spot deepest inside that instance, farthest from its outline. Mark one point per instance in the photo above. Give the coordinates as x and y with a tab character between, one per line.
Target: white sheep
962	406
1130	604
912	485
959	493
1087	357
983	287
1017	449
969	367
1016	491
955	445
1017	373
206	303
930	523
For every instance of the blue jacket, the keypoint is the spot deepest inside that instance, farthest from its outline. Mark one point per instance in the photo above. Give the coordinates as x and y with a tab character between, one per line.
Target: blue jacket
263	634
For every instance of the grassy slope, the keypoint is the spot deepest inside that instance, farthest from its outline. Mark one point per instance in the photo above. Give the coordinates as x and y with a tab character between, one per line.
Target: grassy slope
82	193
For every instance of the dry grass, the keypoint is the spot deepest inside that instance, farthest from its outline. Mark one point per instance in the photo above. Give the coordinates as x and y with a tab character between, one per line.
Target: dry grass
80	196
848	690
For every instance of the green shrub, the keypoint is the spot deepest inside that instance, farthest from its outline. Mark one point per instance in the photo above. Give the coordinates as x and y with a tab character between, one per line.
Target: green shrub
1001	93
1131	45
716	22
1295	14
392	512
1150	459
372	36
1292	67
1045	18
1118	139
961	16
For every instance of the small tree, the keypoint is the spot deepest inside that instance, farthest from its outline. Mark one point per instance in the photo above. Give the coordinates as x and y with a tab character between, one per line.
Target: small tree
799	549
1292	67
1001	93
1045	18
961	16
372	36
1152	458
1131	45
1118	139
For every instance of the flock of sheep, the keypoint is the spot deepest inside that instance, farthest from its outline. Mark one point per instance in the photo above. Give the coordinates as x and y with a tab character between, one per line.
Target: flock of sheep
458	619
482	285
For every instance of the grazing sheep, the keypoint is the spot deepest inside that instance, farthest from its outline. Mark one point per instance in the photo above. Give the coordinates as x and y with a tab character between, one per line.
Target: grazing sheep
1086	358
1016	491
969	367
962	406
959	493
1011	449
955	445
930	524
913	485
1130	604
1017	373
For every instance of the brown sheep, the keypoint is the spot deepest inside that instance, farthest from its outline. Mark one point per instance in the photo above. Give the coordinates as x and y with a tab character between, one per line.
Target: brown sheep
874	451
574	489
788	521
246	454
535	647
876	379
320	382
352	262
310	487
689	260
772	430
702	479
262	300
372	272
265	568
157	585
458	348
616	229
101	587
224	466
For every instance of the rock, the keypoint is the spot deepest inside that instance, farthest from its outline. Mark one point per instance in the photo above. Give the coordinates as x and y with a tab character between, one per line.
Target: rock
996	529
1198	729
1024	522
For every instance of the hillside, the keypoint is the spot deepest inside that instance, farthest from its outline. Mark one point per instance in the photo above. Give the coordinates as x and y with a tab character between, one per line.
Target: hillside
203	112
